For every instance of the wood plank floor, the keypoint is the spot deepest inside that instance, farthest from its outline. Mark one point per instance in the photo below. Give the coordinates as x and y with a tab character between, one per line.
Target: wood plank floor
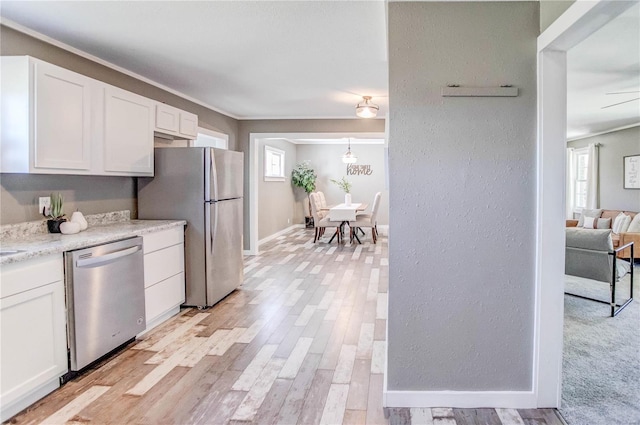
301	342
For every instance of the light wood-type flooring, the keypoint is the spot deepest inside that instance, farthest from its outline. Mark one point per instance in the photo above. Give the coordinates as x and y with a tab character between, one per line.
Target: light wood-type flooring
301	342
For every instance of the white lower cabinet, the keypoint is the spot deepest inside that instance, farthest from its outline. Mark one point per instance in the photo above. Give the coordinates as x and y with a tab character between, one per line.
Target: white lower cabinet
33	340
163	274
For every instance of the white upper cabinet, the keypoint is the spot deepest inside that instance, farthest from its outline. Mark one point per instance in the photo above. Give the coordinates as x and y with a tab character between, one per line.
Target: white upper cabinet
167	118
188	124
128	133
176	122
55	121
62	104
46	118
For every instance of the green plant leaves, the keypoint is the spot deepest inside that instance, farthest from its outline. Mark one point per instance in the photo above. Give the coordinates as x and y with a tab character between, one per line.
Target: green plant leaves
304	176
56	208
343	184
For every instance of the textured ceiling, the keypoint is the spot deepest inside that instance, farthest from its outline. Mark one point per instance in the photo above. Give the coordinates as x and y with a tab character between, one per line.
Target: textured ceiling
250	59
606	62
300	59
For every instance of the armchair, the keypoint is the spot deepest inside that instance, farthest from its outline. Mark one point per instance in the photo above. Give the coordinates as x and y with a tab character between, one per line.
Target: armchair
590	254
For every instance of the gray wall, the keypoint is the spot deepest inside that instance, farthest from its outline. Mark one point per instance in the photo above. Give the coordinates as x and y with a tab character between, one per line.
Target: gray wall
550	10
22	206
462	197
613	147
247	127
89	194
327	161
19	193
276	202
280	205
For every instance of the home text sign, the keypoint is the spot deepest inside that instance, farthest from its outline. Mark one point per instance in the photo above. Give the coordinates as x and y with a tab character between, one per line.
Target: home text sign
359	170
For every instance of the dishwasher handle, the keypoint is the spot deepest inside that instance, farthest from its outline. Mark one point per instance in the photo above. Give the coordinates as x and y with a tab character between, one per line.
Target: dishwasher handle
103	259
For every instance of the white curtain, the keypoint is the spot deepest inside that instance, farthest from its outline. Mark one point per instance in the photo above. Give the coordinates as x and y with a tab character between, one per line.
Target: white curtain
592	177
571	175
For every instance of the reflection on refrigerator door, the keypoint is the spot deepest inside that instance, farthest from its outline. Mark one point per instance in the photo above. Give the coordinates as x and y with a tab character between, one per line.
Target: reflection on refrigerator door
224	249
226	174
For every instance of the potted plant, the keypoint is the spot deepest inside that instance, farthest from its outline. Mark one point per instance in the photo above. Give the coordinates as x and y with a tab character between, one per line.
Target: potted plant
345	185
304	176
56	213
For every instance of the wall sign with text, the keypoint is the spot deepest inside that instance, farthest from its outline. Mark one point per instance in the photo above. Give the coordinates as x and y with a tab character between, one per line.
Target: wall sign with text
359	170
631	167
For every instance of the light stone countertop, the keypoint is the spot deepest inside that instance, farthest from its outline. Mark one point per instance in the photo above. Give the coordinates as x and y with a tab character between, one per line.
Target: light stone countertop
40	244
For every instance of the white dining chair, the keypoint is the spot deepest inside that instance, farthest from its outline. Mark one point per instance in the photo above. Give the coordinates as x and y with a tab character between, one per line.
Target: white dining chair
367	220
320	223
323	204
323	200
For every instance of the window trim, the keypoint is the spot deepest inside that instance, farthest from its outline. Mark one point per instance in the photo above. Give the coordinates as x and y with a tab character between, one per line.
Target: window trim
221	140
268	152
576	153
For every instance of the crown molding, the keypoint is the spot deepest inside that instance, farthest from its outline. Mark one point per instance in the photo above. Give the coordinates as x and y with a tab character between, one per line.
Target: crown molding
35	34
613	130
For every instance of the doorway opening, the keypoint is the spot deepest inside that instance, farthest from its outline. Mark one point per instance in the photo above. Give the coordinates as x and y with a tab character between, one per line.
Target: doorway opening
323	151
580	21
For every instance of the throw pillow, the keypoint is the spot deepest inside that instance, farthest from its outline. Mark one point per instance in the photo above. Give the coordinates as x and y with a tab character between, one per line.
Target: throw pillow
625	224
604	223
588	213
618	222
634	226
589	222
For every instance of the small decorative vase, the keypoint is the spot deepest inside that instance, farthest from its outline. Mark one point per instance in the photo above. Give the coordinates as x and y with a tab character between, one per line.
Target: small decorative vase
77	217
54	225
347	199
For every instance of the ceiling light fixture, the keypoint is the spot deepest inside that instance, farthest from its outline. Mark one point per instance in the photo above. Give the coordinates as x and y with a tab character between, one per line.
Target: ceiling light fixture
366	109
349	157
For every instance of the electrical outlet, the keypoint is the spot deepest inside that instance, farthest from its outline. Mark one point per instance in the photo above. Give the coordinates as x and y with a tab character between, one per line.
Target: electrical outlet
44	202
288	221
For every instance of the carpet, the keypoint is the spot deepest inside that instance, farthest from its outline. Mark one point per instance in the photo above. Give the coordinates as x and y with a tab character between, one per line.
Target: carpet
601	364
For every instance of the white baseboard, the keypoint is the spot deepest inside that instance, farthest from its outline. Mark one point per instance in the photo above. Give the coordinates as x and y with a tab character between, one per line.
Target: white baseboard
160	319
460	399
280	233
383	229
16	406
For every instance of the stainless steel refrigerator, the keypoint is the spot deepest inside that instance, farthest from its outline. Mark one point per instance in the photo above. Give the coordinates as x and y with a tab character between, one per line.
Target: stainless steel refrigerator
203	186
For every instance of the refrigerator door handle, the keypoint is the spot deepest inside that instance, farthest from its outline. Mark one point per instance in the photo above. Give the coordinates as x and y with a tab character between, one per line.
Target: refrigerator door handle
213	180
208	246
214	230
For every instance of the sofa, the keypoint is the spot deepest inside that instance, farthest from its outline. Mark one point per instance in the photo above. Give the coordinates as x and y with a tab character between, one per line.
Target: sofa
618	239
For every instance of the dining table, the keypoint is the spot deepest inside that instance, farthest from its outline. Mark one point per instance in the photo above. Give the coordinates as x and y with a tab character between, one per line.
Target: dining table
344	213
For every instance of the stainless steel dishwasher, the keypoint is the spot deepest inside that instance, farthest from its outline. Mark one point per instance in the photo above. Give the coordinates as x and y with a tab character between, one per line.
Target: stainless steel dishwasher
105	299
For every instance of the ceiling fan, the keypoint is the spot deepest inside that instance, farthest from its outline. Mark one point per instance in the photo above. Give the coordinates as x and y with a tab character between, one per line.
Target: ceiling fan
626	101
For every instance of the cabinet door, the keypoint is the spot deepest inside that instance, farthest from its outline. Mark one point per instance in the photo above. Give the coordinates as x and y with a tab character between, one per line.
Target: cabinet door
34	343
128	133
167	118
62	119
188	124
162	297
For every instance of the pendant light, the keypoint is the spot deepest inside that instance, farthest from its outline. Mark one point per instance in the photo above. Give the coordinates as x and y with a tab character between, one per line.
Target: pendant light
349	157
366	109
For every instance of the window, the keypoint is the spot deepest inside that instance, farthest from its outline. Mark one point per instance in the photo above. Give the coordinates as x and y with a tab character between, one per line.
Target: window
273	164
581	163
211	138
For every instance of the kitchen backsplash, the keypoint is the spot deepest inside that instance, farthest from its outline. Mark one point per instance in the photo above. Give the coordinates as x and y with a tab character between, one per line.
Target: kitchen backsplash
13	231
